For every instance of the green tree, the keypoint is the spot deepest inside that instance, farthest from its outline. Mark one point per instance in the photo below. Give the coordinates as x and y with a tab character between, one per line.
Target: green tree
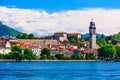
16	48
31	36
102	36
66	57
16	53
44	56
24	36
86	39
108	38
45	51
70	37
80	44
59	56
101	42
90	56
115	38
19	36
1	56
6	56
77	57
114	41
118	51
28	54
107	52
73	41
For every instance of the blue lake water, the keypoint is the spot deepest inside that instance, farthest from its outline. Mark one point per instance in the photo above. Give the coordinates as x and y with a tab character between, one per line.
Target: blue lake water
59	71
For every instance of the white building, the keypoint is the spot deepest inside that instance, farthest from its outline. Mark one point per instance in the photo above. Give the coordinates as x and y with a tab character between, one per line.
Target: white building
61	36
5	47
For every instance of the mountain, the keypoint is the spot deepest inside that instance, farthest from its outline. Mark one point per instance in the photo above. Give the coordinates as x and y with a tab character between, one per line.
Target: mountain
8	31
87	34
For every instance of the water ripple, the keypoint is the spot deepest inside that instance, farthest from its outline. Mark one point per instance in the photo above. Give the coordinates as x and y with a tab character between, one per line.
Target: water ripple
60	71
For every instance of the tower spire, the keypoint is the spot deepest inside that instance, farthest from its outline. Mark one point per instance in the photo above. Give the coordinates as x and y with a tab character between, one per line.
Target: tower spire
92	19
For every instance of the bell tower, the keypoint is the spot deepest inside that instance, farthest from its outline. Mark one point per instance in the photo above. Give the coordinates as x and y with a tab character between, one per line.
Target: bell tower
92	35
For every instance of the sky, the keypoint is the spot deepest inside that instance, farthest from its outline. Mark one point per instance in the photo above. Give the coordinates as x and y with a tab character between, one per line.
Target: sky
44	17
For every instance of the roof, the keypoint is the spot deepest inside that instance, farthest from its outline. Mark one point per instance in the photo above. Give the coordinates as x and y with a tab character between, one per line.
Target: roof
60	33
64	50
23	46
57	45
26	43
36	43
72	49
34	46
91	51
2	43
14	41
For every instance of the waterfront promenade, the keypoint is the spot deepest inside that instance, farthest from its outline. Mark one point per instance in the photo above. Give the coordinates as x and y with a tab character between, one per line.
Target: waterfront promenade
11	60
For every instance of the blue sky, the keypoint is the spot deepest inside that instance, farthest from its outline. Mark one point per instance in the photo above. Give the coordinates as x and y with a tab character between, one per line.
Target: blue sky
60	5
44	17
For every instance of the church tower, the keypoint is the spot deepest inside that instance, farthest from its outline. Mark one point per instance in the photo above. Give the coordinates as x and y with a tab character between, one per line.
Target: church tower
92	35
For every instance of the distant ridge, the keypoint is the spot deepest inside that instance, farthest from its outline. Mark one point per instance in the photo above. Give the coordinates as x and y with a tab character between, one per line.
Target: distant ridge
87	35
8	31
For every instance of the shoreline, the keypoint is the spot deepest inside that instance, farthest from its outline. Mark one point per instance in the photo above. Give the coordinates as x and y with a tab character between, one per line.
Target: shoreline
10	60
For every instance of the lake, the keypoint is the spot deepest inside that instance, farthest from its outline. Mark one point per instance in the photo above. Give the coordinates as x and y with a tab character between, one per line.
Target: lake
59	71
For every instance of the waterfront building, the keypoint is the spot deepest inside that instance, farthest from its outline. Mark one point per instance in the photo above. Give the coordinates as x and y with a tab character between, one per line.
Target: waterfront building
36	45
4	46
92	35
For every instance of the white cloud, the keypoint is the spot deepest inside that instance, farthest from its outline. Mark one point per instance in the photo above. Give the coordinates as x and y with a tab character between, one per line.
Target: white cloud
42	23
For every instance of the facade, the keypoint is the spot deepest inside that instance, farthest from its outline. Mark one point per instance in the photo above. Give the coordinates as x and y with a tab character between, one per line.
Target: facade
92	35
36	45
76	34
5	47
60	36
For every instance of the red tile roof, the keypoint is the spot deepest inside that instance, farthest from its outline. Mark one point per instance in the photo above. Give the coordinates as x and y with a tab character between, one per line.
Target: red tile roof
23	46
91	51
1	41
56	45
64	50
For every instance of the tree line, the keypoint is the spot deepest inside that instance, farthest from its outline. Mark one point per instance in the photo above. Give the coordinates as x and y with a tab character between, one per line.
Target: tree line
46	54
108	49
106	52
109	52
26	36
17	54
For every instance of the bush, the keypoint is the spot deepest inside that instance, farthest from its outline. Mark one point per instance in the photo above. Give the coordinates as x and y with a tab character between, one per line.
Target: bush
90	56
77	57
45	52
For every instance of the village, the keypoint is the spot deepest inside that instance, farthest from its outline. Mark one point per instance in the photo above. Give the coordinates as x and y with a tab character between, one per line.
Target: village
58	43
